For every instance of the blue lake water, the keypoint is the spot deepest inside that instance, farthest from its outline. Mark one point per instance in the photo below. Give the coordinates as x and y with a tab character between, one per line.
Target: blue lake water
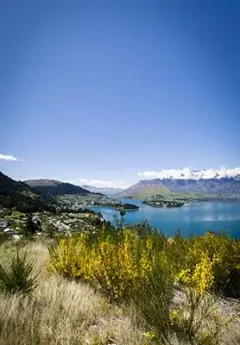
195	218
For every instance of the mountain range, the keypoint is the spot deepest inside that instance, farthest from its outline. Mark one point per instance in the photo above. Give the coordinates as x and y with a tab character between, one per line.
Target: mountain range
39	194
225	186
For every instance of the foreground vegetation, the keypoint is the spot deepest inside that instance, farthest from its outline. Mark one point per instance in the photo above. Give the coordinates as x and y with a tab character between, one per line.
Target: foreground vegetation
120	286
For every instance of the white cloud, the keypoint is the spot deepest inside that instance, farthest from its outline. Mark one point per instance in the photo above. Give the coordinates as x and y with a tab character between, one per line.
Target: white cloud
188	173
103	183
97	183
69	181
8	157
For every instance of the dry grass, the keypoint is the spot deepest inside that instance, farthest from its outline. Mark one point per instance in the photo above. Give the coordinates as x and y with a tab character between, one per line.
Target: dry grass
213	312
61	312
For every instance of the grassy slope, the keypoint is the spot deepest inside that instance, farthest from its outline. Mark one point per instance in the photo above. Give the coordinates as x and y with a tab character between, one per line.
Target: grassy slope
61	312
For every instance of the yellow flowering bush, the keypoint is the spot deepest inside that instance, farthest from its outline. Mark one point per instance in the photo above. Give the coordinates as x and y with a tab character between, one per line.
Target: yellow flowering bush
141	265
201	277
205	261
119	264
120	261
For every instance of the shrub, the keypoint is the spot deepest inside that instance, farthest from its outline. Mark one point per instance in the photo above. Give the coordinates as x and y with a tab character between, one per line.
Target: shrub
201	278
206	259
117	262
126	266
153	300
17	277
200	321
141	265
30	227
120	260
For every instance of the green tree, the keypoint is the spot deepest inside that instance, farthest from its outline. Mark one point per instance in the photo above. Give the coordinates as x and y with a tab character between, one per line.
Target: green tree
31	227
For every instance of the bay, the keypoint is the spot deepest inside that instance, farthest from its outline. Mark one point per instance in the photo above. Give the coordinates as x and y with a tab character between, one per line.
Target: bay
193	219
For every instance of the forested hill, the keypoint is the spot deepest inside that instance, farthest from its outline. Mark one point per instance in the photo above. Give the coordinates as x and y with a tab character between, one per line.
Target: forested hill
16	194
52	187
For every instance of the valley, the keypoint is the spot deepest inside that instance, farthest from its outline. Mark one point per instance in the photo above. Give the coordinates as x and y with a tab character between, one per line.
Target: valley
63	208
48	207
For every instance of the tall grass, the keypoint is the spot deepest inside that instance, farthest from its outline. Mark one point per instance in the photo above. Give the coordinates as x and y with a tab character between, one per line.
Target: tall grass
61	312
69	311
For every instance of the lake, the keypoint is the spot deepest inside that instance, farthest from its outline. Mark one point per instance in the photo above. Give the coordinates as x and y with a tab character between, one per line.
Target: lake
195	218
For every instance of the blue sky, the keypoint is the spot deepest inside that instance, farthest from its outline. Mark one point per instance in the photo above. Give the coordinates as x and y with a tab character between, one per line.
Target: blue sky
103	90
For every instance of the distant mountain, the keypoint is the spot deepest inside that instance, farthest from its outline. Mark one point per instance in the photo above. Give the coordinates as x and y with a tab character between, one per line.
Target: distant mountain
218	186
143	189
225	185
103	190
53	187
16	194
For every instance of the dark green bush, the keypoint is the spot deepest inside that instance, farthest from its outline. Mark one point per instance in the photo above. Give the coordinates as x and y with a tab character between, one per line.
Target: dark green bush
18	277
153	301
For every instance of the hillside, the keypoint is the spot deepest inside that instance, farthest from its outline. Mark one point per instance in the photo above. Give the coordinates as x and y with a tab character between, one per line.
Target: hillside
53	187
16	194
103	190
221	187
143	189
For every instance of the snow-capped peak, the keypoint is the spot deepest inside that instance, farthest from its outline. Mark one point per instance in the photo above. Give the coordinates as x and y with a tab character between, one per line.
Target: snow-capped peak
188	173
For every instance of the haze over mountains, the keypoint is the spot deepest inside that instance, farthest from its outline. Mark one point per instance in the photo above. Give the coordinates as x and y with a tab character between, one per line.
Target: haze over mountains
104	190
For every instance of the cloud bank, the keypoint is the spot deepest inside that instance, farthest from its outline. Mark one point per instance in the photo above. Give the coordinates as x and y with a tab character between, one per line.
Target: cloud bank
97	183
102	183
188	173
7	157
